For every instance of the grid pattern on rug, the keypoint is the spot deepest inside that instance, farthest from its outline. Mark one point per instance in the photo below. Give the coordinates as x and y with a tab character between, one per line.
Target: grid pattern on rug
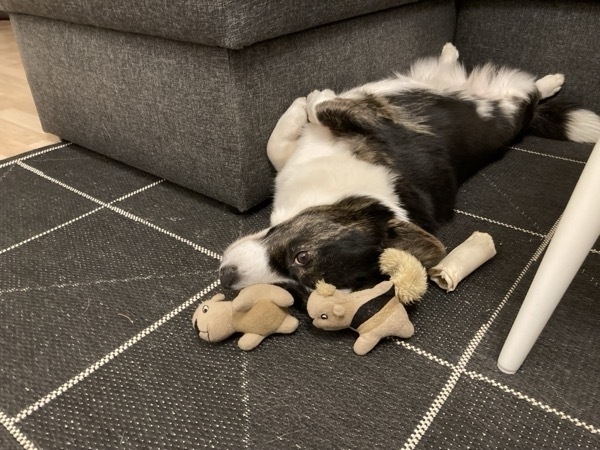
102	266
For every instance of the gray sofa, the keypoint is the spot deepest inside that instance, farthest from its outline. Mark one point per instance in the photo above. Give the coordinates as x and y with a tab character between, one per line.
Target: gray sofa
189	91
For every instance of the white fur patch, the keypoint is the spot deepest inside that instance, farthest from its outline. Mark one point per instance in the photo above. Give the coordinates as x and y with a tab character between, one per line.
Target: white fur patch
502	84
383	88
491	82
550	84
251	260
583	126
323	171
283	139
484	108
484	85
439	76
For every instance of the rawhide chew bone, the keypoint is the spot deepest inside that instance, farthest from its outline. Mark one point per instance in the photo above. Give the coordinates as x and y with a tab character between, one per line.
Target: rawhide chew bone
463	260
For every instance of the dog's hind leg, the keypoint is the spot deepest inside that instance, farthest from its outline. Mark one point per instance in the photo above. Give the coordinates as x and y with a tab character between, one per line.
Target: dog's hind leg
449	54
549	85
443	73
285	135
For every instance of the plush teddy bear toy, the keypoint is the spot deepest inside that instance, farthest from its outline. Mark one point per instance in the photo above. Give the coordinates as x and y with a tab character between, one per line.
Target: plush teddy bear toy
258	311
374	313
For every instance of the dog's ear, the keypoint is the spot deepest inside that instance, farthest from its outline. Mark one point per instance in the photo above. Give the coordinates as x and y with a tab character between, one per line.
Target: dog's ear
416	241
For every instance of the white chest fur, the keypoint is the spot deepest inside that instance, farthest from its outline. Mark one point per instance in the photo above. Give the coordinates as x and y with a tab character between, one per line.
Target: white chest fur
323	170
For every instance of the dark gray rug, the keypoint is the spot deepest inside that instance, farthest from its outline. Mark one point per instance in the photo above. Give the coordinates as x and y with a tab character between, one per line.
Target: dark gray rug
101	267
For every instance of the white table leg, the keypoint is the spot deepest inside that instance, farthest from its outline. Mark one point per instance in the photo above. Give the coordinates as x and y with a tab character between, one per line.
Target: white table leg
575	235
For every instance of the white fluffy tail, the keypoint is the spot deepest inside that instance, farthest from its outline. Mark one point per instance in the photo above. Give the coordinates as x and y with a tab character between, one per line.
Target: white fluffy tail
559	119
583	126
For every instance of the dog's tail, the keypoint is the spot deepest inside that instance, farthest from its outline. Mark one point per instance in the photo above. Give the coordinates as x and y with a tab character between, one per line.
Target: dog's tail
563	120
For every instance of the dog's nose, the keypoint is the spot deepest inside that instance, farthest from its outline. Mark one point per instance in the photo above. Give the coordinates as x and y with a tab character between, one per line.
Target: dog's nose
228	276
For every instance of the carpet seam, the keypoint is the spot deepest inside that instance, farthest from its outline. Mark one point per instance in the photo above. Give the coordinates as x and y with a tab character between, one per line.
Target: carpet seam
32	155
479	376
9	423
27	411
532	152
445	393
123	212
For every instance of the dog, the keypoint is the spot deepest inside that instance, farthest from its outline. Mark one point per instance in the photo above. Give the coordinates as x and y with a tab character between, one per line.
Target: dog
380	165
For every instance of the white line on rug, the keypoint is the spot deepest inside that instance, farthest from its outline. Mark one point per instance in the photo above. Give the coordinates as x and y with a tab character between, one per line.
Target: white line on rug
101	281
122	212
506	225
76	219
9	424
477	376
110	356
460	368
562	158
31	155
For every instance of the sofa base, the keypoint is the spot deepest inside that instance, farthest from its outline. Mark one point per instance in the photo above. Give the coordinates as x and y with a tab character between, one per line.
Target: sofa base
200	116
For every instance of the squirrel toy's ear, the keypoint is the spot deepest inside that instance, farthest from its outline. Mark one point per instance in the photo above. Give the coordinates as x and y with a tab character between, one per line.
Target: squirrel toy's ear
325	289
339	310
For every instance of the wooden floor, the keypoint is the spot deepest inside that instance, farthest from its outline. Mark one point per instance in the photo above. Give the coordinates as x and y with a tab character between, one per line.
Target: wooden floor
20	128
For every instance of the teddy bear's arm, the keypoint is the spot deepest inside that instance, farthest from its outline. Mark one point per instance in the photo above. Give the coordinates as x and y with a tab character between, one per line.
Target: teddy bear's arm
282	298
246	299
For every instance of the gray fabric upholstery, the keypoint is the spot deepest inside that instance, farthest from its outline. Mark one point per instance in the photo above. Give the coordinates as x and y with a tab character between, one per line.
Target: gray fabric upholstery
539	36
223	23
197	115
200	115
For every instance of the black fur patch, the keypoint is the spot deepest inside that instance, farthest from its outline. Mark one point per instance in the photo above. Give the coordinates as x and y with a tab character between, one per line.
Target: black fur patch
441	143
550	119
432	143
344	241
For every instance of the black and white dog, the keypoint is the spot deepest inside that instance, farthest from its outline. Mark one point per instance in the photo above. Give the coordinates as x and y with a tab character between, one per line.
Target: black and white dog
379	166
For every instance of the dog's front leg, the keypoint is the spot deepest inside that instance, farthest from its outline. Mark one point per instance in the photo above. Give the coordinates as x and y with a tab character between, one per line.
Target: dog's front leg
285	135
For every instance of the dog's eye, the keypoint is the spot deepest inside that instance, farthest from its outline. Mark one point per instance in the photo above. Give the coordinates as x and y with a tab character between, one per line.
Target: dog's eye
301	258
324	316
205	309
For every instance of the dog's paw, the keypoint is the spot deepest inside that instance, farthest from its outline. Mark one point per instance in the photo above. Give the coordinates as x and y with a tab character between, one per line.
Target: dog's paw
550	84
295	116
449	54
315	98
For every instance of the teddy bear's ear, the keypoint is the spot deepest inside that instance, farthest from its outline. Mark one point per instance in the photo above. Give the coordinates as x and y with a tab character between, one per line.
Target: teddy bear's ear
218	298
339	310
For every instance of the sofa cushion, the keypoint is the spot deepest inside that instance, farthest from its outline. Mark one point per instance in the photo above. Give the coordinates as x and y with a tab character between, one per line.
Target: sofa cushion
201	115
226	23
539	36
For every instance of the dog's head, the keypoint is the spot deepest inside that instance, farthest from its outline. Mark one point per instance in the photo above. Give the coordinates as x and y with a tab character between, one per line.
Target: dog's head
339	243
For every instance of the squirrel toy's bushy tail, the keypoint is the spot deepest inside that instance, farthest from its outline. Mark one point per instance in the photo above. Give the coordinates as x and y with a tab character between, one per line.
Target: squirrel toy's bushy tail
406	272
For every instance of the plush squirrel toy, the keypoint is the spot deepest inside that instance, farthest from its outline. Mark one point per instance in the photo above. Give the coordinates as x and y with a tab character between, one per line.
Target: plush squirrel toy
258	311
377	312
